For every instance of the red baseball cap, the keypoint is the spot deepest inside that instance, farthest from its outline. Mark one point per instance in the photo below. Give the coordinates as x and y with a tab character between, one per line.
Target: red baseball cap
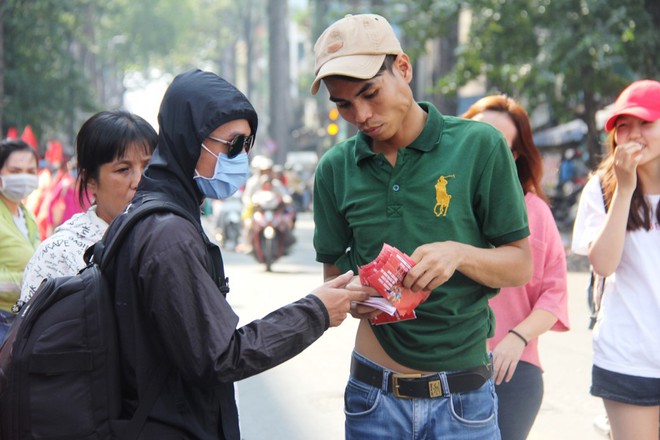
640	99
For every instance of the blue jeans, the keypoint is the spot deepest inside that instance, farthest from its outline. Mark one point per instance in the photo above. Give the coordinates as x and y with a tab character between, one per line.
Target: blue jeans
372	413
519	401
6	319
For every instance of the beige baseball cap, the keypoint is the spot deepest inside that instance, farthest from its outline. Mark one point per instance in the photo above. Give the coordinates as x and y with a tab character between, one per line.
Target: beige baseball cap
354	46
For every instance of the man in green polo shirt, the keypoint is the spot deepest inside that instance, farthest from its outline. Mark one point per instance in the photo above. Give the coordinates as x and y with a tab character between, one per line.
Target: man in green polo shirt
441	189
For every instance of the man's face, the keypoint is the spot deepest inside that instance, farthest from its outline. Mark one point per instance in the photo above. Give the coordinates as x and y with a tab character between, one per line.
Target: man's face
377	106
228	131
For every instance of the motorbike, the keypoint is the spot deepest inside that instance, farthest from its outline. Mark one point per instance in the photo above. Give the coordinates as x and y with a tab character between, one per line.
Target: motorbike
228	223
564	203
271	230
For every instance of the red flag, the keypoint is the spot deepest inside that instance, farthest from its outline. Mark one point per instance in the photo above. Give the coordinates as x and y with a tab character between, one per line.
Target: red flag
29	137
54	153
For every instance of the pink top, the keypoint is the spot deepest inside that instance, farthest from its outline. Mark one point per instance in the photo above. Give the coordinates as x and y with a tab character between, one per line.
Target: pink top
546	290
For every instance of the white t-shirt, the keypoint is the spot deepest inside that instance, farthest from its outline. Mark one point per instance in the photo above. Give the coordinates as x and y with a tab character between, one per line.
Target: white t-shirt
62	253
21	224
626	338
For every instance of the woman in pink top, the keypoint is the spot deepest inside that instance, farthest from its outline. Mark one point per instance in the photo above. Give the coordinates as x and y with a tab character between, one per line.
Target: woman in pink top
522	314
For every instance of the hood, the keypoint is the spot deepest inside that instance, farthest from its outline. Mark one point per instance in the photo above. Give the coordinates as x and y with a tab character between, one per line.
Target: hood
194	105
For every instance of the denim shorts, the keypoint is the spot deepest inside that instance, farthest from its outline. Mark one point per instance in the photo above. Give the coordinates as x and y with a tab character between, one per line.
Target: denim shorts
633	390
373	414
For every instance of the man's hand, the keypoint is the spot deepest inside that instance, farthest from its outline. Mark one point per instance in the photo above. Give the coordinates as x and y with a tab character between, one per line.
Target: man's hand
361	311
508	265
435	263
338	297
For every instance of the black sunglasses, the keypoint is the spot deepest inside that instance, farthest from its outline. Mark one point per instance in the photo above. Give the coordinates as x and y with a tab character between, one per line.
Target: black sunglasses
237	145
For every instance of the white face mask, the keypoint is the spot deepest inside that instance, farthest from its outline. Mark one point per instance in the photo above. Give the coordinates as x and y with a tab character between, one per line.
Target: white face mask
16	187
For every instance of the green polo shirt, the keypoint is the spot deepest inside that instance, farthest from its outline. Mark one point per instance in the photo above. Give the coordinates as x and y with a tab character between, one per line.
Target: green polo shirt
457	181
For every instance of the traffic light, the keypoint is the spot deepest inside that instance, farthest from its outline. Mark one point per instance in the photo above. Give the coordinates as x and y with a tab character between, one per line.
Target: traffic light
332	127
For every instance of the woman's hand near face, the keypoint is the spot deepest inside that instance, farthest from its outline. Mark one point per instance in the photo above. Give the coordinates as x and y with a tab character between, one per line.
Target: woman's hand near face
626	159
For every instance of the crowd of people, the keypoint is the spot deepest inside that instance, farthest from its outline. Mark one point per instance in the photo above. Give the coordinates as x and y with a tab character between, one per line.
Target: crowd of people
460	195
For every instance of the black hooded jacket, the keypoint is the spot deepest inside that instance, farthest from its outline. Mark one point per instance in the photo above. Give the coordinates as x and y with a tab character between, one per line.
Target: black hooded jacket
169	308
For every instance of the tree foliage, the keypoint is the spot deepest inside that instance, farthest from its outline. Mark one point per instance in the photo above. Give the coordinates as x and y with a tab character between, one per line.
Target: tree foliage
572	55
62	58
146	34
42	81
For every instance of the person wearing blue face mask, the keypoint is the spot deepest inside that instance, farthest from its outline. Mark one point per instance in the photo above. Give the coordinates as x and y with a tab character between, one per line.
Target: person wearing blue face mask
171	307
231	170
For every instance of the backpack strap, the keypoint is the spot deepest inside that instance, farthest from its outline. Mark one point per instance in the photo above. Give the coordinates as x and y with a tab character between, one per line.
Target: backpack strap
134	426
596	287
102	253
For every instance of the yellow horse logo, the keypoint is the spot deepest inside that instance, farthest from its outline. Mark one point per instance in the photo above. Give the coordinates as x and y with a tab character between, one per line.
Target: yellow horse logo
442	199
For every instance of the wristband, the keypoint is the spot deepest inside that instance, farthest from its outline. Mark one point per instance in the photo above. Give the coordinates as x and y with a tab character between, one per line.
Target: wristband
519	335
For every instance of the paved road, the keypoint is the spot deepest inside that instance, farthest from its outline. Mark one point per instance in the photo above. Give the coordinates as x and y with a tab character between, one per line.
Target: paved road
302	399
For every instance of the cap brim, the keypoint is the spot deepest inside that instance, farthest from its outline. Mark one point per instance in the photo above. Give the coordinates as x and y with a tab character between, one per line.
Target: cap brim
645	114
353	66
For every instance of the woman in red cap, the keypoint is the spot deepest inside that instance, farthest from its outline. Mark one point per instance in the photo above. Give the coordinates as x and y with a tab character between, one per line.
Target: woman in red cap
618	227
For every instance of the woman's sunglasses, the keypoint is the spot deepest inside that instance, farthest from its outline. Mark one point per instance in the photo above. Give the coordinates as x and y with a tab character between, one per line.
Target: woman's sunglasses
237	145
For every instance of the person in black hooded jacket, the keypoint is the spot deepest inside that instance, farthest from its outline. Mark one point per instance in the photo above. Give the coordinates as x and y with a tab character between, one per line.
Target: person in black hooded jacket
170	310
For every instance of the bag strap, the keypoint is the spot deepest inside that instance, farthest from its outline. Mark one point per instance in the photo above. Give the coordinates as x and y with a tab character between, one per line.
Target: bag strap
147	402
596	283
105	253
102	253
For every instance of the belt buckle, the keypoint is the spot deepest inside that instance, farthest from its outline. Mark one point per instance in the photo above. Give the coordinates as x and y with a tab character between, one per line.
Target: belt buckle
395	383
435	388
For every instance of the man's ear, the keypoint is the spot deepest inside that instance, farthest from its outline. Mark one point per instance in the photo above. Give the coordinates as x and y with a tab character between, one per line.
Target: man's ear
403	65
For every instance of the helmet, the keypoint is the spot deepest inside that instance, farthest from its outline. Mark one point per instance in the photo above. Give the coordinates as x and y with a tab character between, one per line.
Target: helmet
262	163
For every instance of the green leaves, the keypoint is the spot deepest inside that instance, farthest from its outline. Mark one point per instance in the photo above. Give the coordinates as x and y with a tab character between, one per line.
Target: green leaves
572	55
64	59
41	81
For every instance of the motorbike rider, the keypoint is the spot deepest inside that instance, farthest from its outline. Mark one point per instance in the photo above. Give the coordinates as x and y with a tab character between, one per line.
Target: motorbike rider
227	217
263	179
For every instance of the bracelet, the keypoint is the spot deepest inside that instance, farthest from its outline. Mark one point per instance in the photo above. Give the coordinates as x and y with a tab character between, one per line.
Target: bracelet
519	335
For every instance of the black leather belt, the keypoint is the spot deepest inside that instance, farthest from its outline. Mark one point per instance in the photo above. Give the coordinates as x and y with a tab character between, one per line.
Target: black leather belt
417	386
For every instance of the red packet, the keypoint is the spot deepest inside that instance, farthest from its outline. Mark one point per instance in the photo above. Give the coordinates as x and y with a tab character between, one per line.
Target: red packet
385	318
385	274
